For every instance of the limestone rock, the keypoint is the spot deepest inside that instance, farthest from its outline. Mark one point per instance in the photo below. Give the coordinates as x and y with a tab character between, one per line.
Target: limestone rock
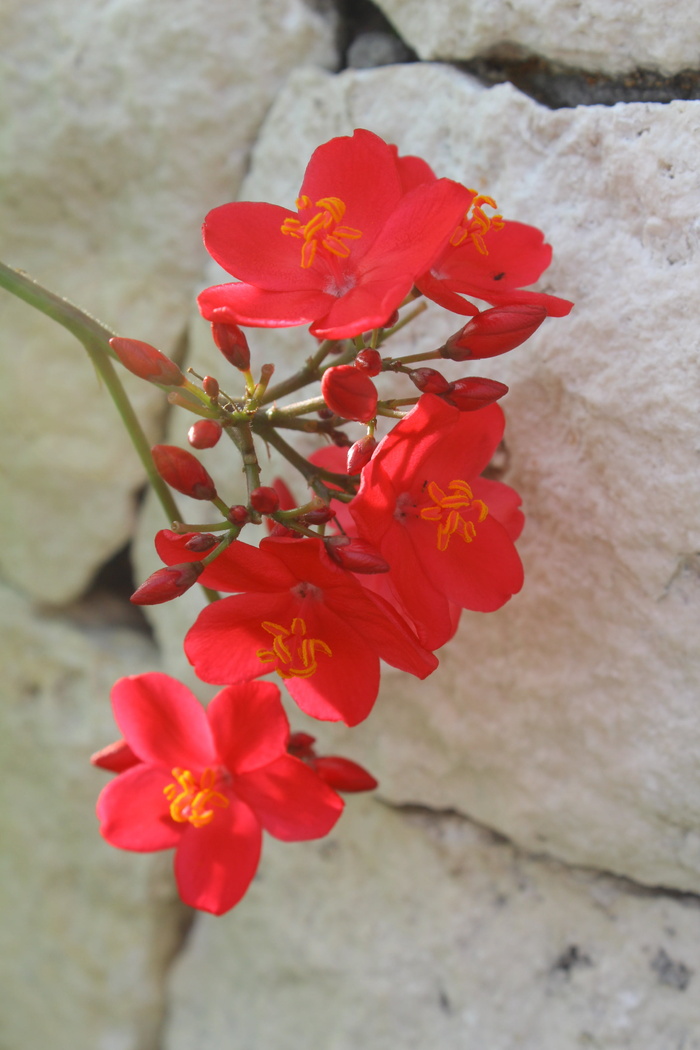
412	930
612	38
86	931
123	125
569	719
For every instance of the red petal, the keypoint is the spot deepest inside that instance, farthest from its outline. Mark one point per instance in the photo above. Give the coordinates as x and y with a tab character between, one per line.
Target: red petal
115	757
215	864
503	503
250	305
437	290
134	813
163	721
368	305
290	801
249	725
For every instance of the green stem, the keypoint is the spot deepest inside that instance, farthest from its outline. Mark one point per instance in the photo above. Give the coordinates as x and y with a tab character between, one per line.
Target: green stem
303	377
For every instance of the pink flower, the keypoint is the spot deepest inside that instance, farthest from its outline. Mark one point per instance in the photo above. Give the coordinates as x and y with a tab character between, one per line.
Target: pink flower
349	256
207	783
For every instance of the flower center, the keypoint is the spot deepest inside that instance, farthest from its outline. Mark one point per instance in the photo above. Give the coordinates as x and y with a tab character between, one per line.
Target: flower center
322	229
476	223
448	511
189	798
293	651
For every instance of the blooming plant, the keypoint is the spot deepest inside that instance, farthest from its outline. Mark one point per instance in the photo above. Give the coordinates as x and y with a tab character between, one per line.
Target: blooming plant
400	530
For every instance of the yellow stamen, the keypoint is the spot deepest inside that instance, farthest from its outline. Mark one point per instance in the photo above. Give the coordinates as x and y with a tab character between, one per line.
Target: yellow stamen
293	651
322	229
447	512
476	223
188	798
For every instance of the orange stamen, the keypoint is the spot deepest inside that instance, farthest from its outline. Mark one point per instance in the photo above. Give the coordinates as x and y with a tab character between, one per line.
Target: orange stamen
447	511
322	229
188	798
476	223
292	649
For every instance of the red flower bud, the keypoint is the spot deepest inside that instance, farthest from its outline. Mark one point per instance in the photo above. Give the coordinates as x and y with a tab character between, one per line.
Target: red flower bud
494	332
360	453
210	386
183	472
318	516
232	343
429	381
145	361
204	433
472	393
165	584
239	514
349	393
203	541
391	320
115	757
342	774
301	745
369	361
264	499
355	555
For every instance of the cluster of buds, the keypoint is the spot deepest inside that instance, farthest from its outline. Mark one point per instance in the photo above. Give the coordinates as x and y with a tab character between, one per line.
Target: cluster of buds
397	529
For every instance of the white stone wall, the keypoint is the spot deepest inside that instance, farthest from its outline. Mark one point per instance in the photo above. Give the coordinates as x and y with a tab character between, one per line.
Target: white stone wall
528	877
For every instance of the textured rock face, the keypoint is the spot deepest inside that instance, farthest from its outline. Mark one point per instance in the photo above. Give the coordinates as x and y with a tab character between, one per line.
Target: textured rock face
569	719
85	931
597	36
123	124
411	930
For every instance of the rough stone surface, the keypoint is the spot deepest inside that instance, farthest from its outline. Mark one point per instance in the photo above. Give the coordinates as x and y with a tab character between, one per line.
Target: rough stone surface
123	124
569	719
404	929
86	932
596	35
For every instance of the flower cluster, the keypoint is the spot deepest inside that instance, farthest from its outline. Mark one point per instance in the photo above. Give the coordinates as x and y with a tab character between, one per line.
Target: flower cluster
400	530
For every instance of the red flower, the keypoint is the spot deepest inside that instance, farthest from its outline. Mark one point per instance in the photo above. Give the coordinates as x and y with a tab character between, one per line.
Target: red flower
340	773
208	783
446	533
299	615
348	258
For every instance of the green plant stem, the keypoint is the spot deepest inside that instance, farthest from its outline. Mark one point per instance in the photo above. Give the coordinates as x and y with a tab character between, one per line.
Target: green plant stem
314	475
303	377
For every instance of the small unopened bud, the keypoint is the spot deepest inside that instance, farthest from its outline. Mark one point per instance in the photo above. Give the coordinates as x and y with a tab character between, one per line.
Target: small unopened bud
165	584
355	555
145	361
264	499
204	433
203	541
318	516
115	757
429	381
349	393
301	744
239	515
494	332
369	361
342	774
210	386
232	343
183	472
360	453
473	393
391	320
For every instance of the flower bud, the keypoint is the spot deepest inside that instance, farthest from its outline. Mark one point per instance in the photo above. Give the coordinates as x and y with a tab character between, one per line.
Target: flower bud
232	343
369	361
494	332
145	361
429	381
349	393
472	393
301	745
360	453
355	555
204	433
264	499
203	541
342	774
115	757
391	320
318	516
239	514
210	386
183	472
165	584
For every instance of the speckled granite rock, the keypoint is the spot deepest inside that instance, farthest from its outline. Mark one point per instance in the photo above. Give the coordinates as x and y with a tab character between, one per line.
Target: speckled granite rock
568	720
123	124
604	37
